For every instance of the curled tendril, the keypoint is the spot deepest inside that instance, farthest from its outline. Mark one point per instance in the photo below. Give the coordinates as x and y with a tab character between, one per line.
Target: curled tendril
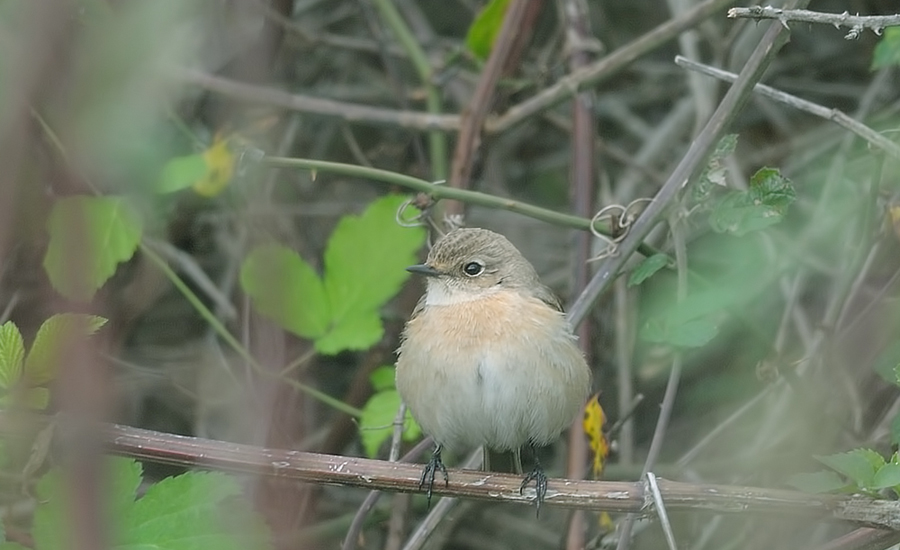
413	221
423	202
621	219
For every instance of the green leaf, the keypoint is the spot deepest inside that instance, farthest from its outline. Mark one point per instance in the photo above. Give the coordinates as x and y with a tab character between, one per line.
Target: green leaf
89	237
769	188
887	364
647	268
360	330
887	51
886	476
53	529
365	263
285	289
818	482
895	430
54	337
859	465
691	333
485	28
377	422
763	205
694	321
382	378
181	172
191	511
12	354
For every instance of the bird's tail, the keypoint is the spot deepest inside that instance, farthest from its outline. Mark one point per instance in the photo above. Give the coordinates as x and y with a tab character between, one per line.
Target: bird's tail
504	462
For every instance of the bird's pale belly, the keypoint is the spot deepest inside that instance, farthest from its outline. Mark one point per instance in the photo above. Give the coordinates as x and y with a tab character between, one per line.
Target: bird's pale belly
494	385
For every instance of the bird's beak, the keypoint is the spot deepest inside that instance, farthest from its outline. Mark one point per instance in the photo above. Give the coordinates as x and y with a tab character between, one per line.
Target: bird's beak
423	269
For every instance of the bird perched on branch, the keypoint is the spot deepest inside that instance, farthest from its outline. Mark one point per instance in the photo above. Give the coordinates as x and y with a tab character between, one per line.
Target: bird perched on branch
488	357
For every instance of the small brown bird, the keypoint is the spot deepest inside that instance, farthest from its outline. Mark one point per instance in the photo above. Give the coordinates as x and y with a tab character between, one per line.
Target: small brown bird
488	358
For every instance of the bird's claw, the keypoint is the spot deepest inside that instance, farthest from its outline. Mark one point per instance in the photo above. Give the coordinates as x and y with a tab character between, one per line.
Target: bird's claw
431	468
539	478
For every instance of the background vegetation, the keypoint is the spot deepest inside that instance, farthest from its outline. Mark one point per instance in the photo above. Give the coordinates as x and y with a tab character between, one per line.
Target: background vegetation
219	198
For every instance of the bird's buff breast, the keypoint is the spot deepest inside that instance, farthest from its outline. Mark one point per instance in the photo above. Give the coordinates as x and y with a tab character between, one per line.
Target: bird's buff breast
499	371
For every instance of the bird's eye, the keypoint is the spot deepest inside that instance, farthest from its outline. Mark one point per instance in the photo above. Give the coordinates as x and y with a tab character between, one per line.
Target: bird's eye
473	269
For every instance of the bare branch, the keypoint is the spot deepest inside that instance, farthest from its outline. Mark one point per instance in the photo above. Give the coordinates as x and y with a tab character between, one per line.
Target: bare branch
856	23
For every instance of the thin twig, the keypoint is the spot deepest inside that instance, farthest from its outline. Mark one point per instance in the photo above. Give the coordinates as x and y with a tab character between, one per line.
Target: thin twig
351	112
856	23
661	510
834	115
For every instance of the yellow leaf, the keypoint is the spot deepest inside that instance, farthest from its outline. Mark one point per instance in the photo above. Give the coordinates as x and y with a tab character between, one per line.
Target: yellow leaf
594	418
219	168
894	212
606	523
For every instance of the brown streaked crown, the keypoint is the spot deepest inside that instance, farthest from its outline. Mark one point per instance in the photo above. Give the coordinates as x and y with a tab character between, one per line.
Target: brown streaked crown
479	259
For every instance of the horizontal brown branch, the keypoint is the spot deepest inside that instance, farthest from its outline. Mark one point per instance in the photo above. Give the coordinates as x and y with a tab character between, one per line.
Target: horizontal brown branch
370	474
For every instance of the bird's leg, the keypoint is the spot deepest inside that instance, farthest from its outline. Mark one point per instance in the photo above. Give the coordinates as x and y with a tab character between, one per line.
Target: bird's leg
431	468
539	478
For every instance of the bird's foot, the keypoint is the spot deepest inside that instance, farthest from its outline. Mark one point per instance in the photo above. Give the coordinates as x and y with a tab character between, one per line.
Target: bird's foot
539	478
431	468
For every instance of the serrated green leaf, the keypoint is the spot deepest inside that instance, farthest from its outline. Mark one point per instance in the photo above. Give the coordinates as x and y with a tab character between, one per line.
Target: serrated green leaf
763	205
55	335
859	465
887	364
53	529
382	378
285	289
818	482
887	51
187	512
886	476
358	331
89	237
769	188
484	30
12	354
181	172
647	268
365	263
377	422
